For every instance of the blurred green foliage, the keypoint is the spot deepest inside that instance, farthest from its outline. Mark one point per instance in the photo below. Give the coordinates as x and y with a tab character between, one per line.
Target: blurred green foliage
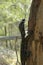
12	11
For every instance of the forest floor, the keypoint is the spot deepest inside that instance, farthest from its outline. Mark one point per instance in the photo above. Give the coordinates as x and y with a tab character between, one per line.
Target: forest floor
8	56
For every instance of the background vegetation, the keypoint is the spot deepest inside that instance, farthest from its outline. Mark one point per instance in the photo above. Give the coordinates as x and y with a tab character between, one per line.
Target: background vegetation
11	14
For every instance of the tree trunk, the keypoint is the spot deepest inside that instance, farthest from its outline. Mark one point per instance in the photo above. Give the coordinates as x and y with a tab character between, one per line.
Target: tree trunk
34	40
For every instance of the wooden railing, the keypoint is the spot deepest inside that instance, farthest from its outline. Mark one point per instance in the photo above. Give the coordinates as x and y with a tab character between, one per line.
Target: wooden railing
9	37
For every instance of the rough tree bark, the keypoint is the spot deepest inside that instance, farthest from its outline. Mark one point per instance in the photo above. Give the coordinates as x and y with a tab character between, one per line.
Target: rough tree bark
32	60
35	34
